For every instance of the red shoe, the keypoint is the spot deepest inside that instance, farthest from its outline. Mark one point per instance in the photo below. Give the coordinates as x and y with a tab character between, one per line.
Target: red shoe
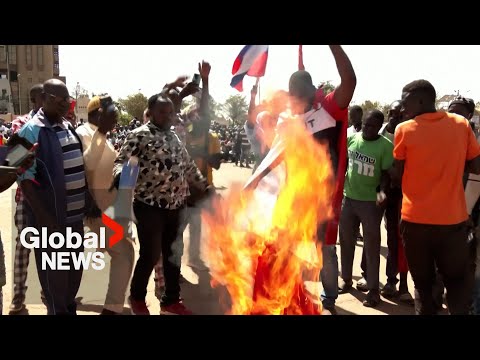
175	309
138	307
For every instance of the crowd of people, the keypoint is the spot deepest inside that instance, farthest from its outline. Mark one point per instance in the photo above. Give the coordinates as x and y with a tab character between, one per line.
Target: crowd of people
406	169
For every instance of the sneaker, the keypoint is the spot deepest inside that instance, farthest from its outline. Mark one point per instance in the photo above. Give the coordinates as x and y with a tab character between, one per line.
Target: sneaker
389	290
174	309
373	299
109	312
17	305
362	285
138	307
406	298
344	286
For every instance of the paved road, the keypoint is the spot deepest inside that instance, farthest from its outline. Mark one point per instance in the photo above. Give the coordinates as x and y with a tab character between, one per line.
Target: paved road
198	294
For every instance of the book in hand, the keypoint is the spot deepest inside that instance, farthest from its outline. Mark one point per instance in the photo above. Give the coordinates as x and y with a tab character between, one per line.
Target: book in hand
122	210
129	175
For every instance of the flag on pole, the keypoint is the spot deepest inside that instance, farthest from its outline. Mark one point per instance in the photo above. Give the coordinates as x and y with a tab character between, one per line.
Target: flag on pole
251	61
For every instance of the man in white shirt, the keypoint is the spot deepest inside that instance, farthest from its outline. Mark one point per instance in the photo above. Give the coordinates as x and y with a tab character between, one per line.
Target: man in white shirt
99	156
355	115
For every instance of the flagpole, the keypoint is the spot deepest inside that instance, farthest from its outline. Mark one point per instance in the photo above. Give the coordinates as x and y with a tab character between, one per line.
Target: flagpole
301	65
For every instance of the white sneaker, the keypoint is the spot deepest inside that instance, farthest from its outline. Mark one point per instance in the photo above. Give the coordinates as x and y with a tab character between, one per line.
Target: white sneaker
362	285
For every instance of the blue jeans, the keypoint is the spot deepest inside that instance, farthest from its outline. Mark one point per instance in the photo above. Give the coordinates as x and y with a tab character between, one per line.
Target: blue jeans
329	275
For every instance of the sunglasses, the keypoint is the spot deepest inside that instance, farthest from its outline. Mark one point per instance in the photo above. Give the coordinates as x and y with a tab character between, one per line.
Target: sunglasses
59	99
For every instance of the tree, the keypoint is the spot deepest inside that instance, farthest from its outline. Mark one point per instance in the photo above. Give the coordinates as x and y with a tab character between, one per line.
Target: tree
368	106
212	105
327	87
236	108
124	118
213	108
135	105
189	102
384	109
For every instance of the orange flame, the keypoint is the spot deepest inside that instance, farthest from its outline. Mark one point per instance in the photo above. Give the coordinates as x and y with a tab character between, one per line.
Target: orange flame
250	232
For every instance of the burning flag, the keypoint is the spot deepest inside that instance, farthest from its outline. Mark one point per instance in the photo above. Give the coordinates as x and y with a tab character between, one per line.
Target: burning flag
251	61
262	243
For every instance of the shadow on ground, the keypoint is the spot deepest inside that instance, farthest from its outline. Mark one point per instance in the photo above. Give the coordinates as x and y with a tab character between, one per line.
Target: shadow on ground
200	297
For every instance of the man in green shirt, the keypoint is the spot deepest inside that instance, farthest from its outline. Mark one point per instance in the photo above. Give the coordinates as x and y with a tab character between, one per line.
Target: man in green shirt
370	155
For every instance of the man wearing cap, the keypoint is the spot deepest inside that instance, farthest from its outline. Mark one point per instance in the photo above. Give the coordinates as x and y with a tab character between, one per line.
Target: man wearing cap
99	156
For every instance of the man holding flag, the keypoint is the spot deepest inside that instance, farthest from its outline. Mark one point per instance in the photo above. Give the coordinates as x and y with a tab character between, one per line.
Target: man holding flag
326	118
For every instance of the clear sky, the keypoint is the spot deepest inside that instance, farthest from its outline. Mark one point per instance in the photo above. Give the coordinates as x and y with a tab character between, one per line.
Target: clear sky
382	70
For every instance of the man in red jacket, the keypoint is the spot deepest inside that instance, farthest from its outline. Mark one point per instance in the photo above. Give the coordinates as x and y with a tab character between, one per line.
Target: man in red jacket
326	118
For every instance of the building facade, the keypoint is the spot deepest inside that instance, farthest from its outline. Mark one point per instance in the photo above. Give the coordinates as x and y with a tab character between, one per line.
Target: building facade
24	66
81	112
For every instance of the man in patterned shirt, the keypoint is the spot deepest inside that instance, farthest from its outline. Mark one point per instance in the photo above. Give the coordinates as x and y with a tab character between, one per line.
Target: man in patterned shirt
22	254
167	172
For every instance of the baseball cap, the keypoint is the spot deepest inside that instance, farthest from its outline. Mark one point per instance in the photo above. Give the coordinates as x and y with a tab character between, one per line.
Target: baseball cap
94	104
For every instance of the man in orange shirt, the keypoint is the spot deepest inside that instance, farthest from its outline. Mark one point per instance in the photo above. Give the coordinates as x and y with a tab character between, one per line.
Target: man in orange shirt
431	153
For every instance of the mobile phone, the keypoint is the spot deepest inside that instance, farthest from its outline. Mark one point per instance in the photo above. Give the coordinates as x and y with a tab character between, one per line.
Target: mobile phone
18	153
107	104
196	79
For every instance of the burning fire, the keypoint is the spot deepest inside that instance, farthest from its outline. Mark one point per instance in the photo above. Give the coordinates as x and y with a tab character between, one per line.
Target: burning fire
262	242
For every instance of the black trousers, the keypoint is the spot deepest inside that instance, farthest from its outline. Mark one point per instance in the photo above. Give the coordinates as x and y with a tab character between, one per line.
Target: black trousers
157	234
392	220
443	246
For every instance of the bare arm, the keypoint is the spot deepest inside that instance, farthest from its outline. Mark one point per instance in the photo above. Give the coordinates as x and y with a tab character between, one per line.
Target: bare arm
396	172
252	114
385	181
204	110
348	80
180	82
473	166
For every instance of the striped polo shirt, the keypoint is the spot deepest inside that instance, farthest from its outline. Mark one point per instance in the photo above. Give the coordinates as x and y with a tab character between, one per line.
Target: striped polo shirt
74	173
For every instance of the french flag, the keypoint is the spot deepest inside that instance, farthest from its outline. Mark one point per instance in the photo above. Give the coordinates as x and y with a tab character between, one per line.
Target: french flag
251	61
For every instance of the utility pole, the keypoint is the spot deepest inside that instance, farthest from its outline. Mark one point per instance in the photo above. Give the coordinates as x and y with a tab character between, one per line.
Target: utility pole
19	95
10	98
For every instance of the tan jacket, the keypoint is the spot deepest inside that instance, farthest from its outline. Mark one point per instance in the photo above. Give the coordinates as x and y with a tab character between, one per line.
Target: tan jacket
99	156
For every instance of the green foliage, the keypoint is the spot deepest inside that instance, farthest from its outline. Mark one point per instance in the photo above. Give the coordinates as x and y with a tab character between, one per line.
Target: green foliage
236	109
327	87
135	105
124	118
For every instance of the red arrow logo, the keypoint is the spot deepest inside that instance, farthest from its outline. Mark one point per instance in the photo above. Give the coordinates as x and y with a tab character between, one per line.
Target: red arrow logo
117	230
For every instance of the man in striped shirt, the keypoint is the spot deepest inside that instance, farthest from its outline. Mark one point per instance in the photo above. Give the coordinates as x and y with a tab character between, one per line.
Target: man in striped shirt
55	190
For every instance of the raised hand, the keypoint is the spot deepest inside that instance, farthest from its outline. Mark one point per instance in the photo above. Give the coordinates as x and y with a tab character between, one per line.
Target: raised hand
204	69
